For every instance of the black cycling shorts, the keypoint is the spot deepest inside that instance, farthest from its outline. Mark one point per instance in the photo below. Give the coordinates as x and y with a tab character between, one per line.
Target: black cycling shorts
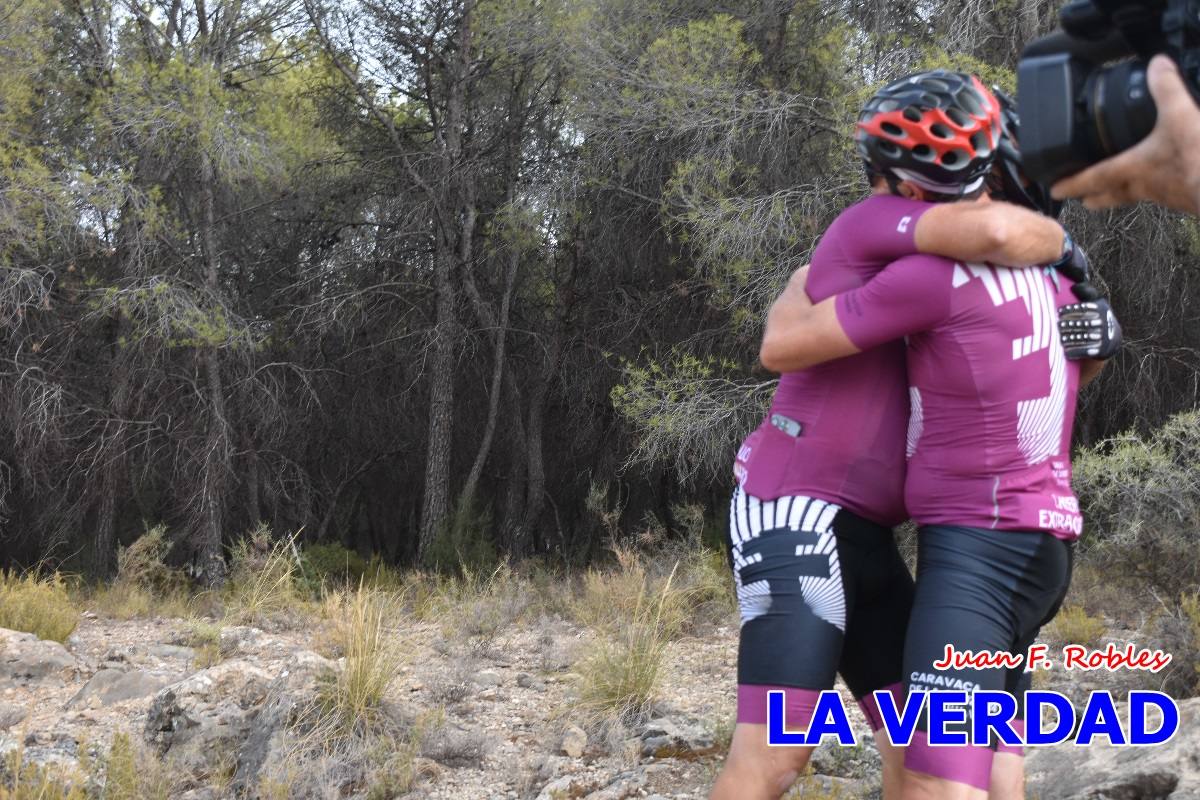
978	589
821	591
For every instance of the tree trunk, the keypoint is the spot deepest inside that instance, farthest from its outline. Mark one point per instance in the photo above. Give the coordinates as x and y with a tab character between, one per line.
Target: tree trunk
441	407
217	451
499	353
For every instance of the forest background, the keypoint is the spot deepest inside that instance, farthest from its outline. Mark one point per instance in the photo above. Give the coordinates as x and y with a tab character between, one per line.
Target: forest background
450	282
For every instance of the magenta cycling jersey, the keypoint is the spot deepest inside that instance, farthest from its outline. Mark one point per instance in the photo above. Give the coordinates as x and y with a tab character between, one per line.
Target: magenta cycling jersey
992	392
853	411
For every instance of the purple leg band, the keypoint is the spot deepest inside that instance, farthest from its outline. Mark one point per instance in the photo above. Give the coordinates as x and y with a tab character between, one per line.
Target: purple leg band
870	708
798	704
1019	727
970	764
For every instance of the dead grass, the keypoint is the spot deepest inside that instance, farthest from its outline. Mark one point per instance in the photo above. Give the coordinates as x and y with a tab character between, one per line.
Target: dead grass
619	677
263	578
371	651
37	604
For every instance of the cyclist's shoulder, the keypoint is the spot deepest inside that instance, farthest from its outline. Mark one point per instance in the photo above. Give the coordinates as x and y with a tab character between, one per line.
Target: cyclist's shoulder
880	214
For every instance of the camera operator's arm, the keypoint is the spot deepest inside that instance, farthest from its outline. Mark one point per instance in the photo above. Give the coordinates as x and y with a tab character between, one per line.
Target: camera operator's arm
995	232
1164	167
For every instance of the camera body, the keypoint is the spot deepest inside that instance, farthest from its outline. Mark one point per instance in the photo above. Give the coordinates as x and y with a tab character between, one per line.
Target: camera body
1077	106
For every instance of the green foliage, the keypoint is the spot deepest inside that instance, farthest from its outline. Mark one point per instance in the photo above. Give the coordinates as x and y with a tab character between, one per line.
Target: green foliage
38	604
1074	625
1141	501
688	411
463	544
329	562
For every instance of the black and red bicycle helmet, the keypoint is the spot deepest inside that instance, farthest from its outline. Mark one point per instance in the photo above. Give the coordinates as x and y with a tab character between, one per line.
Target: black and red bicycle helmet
938	129
1008	178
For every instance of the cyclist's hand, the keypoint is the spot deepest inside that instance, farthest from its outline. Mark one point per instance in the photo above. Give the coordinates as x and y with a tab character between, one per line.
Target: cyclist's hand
1089	330
1075	265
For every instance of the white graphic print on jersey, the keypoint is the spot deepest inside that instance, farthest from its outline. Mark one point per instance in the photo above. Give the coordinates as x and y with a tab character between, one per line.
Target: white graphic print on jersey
1039	420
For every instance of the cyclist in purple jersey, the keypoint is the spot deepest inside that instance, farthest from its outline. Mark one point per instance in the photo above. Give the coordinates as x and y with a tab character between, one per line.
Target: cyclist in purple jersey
993	399
821	586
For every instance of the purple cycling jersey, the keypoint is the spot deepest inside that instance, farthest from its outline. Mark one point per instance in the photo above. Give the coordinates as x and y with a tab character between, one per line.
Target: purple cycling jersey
853	411
993	395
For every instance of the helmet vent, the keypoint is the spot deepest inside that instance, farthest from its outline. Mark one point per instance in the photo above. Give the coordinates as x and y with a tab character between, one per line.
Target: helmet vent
950	158
957	117
892	129
912	114
924	152
940	131
981	144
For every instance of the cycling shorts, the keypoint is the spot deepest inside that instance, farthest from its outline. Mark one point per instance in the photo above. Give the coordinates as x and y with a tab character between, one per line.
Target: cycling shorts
821	591
978	589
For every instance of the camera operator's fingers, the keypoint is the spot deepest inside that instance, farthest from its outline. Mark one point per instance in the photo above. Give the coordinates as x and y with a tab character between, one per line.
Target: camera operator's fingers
1108	178
1170	94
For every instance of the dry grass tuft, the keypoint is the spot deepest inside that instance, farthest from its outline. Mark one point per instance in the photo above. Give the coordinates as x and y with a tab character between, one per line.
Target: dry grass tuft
263	577
372	656
619	677
37	604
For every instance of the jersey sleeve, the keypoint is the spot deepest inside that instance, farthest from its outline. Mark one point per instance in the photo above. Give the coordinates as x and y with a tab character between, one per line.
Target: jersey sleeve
884	229
909	296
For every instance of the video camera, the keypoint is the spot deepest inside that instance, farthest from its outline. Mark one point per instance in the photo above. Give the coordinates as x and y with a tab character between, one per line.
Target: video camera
1076	106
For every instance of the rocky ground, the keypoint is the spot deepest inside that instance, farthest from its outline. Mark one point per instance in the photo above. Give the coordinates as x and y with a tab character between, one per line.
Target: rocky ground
504	725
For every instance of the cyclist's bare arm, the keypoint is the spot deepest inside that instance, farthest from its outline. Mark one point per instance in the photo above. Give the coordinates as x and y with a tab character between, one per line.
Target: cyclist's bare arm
989	231
800	334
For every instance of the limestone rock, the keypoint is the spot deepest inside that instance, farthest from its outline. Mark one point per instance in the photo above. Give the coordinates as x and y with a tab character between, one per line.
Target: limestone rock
110	686
1104	772
574	741
24	659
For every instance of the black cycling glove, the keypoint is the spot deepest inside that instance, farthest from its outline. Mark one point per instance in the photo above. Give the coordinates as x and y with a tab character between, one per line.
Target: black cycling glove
1074	262
1089	329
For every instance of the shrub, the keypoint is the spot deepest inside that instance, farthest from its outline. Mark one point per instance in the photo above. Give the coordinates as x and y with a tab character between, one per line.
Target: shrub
131	774
463	543
1141	498
37	604
1177	631
1073	625
330	563
144	584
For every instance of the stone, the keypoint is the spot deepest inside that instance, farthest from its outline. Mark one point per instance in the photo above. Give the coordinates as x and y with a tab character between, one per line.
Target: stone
574	741
206	716
270	733
669	738
239	638
169	652
1068	772
568	786
110	686
625	785
24	659
527	681
488	677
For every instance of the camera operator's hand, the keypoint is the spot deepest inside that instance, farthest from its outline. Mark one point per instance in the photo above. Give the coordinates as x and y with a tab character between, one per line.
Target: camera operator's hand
1163	168
1089	330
